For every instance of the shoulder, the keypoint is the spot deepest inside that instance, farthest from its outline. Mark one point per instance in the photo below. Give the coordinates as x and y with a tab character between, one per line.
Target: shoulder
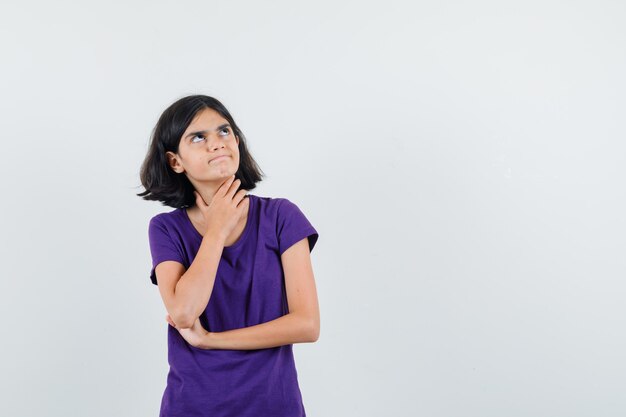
288	211
165	220
276	210
271	205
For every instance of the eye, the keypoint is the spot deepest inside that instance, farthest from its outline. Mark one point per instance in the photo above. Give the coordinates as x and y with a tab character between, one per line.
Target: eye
226	132
197	136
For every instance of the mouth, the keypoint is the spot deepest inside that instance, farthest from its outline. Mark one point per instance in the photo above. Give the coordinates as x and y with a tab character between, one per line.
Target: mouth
218	158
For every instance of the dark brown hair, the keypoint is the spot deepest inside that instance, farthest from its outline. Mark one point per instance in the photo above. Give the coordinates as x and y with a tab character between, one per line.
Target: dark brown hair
158	178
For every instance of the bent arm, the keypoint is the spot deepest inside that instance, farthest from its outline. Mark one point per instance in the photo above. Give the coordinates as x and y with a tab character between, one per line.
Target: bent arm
288	329
186	295
300	325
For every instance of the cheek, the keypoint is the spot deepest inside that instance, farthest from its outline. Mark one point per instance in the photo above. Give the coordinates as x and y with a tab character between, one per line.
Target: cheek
235	152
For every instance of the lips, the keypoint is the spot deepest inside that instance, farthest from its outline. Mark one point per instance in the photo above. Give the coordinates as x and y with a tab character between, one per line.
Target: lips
218	157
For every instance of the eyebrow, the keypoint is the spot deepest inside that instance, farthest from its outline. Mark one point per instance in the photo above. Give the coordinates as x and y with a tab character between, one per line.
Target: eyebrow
220	127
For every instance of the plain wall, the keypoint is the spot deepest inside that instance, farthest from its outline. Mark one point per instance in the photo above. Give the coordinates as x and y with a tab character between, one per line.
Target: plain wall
463	162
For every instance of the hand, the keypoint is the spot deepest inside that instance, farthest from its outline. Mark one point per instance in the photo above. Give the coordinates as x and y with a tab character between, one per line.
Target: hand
225	210
196	335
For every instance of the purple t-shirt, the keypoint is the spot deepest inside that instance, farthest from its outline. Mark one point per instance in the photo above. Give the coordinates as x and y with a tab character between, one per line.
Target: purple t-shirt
249	289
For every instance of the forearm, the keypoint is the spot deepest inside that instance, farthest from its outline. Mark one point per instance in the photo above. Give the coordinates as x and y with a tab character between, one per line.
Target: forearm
288	329
195	286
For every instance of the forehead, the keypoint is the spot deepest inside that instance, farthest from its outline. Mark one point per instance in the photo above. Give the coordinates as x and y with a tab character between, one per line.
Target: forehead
206	119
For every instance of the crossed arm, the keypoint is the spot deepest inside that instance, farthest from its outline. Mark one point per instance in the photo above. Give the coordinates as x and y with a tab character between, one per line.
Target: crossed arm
300	325
288	329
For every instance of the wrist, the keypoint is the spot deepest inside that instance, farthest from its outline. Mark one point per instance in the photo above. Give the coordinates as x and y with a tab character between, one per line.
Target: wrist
209	340
216	235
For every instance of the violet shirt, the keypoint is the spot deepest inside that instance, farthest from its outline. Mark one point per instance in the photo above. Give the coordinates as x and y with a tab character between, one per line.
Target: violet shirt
249	289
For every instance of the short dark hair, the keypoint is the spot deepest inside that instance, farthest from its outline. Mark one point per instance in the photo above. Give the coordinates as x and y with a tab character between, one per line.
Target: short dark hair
156	175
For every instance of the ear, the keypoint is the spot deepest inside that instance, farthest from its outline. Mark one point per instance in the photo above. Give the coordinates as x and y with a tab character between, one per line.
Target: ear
172	161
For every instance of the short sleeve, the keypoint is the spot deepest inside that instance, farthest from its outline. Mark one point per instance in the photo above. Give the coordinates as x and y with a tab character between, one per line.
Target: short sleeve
162	247
293	226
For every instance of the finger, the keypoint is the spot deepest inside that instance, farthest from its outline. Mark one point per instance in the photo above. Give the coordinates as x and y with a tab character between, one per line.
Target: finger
241	194
199	200
233	188
225	187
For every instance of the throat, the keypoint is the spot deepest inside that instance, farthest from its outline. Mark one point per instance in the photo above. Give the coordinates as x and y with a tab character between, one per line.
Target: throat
198	222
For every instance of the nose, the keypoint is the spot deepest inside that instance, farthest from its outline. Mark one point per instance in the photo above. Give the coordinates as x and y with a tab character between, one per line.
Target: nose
213	142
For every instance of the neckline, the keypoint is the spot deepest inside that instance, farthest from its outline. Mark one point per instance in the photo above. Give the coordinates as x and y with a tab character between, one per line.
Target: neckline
243	235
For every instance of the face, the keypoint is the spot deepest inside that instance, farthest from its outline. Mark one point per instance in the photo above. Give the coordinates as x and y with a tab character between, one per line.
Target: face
208	136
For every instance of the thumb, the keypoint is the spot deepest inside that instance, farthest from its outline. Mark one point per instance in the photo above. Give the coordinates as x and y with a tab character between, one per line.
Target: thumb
199	199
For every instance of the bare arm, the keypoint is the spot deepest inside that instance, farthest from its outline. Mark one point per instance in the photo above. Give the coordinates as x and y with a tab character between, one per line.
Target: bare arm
288	329
186	293
300	325
186	298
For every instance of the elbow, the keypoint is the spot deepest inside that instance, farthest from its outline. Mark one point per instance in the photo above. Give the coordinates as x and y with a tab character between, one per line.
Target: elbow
183	320
314	331
184	323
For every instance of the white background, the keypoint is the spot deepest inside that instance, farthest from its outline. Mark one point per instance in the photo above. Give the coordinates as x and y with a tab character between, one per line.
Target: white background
463	162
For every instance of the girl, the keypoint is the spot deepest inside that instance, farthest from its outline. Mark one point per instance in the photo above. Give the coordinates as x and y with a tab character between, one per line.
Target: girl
233	269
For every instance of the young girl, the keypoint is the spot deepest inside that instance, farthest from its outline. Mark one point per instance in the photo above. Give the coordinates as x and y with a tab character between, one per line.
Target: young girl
233	269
